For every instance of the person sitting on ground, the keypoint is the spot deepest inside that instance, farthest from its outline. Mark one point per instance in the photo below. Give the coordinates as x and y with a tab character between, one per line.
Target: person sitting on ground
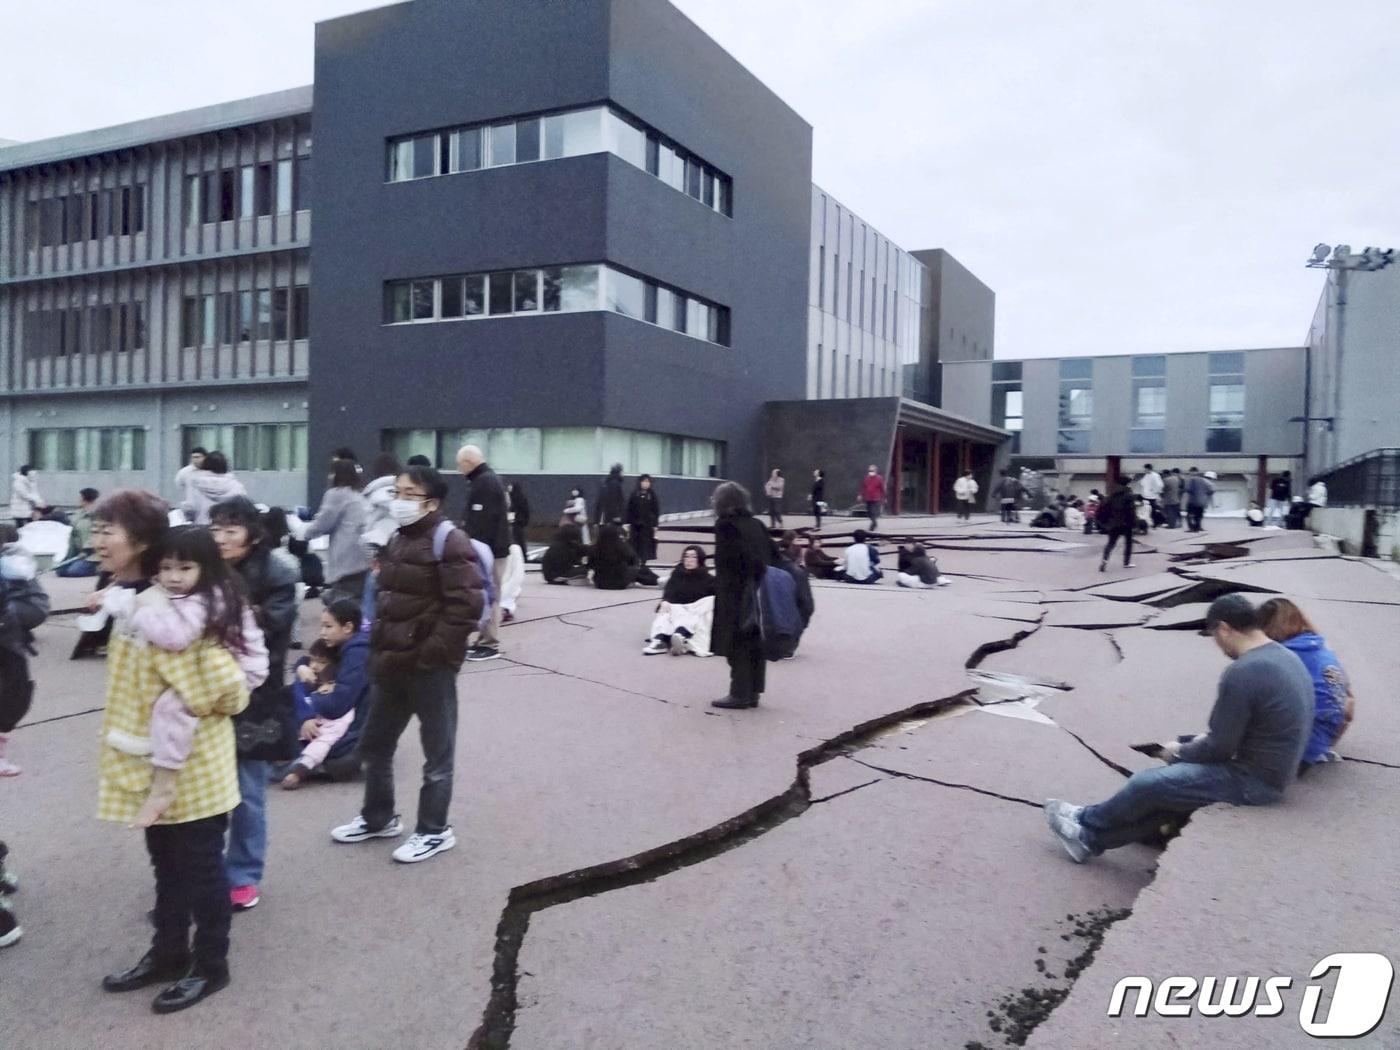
10	931
1091	511
1074	515
1258	733
790	558
1254	516
860	563
1333	703
80	561
685	614
314	680
917	569
614	563
817	562
565	557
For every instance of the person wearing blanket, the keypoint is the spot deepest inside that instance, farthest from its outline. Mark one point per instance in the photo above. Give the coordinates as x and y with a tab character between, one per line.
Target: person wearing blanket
687	609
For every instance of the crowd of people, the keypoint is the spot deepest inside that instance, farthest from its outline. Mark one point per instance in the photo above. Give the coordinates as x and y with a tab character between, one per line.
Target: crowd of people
196	621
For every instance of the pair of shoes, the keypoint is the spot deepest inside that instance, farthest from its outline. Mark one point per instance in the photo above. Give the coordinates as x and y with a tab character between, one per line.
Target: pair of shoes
358	831
199	983
477	653
243	898
295	777
655	648
729	703
677	645
421	846
147	971
10	930
1063	819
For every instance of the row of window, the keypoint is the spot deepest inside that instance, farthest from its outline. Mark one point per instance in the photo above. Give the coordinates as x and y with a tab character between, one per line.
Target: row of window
86	329
251	446
85	216
88	448
597	129
554	289
565	450
248	191
226	318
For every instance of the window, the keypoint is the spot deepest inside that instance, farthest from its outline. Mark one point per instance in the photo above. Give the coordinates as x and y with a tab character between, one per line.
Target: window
1149	404
263	306
301	189
245	316
88	448
284	187
558	450
301	312
252	446
593	129
281	308
553	289
1225	431
197	318
246	193
1076	415
262	189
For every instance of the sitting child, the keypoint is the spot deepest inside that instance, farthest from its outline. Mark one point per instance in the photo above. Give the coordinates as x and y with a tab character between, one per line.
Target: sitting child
315	678
196	601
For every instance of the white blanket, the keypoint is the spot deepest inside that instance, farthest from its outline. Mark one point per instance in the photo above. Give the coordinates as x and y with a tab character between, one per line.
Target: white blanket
696	617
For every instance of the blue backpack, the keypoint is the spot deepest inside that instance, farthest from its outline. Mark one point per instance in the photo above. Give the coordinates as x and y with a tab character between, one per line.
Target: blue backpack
781	621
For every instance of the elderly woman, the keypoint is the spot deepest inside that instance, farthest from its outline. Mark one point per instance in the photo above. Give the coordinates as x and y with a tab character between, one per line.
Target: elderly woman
1334	706
685	614
266	731
186	843
743	553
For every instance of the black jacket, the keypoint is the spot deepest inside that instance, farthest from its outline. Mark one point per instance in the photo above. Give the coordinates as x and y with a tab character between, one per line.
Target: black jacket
561	556
684	587
485	519
611	503
743	552
520	507
918	563
818	491
265	730
643	508
1281	488
615	565
1118	512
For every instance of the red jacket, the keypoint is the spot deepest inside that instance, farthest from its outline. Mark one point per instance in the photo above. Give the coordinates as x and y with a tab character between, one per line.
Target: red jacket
872	489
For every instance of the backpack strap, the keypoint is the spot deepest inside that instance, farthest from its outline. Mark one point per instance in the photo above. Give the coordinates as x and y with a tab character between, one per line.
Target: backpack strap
440	534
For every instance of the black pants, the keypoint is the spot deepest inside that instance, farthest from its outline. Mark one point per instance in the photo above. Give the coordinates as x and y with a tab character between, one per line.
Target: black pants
1008	512
775	512
432	696
965	509
1113	535
817	513
747	668
644	541
872	510
191	883
1194	516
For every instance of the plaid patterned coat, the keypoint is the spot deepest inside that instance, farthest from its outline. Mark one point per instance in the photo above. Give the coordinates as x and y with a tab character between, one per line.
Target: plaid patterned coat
211	684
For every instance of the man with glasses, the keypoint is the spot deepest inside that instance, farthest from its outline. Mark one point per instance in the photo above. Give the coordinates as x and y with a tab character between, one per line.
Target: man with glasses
1258	730
428	600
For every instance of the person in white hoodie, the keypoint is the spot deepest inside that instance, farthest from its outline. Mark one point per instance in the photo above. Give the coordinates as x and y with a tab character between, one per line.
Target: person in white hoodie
209	485
185	475
380	525
25	501
965	489
1151	488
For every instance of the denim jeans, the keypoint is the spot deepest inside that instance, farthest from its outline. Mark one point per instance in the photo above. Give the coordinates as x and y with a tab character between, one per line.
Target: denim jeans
432	696
247	831
1154	796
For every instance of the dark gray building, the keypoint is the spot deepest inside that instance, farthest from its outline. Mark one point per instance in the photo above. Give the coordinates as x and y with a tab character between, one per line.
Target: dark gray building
575	234
958	322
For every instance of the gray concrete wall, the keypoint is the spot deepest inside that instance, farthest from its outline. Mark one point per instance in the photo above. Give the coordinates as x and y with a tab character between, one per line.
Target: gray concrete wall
1040	385
1113	404
1274	382
967	389
1367	417
842	437
1188	402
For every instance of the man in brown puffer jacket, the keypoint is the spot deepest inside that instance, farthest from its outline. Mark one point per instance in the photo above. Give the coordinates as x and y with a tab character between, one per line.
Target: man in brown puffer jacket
429	598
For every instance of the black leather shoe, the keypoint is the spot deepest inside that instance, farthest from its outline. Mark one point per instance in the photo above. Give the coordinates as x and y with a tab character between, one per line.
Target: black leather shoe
195	985
149	970
730	703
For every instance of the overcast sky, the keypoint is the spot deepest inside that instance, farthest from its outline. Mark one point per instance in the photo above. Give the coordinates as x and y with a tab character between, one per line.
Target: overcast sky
1127	175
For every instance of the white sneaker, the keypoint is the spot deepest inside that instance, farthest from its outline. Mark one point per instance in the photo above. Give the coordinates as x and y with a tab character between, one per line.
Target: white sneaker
654	648
1063	819
421	847
358	831
944	581
9	769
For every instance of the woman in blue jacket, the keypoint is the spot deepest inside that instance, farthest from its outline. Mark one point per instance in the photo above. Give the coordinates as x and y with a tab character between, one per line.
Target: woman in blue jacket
1334	705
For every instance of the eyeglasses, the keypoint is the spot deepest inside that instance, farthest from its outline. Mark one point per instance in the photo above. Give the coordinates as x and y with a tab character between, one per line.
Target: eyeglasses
416	497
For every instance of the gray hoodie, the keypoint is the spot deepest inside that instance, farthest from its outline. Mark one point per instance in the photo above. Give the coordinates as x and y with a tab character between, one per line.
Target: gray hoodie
205	490
342	518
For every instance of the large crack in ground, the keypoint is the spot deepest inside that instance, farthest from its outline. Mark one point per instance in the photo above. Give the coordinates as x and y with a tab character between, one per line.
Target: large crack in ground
524	901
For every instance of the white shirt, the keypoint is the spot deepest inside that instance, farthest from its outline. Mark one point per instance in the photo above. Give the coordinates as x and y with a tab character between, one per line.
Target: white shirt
1151	485
857	561
965	488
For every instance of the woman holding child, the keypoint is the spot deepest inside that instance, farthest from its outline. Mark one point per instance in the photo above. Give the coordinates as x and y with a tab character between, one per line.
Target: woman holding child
185	836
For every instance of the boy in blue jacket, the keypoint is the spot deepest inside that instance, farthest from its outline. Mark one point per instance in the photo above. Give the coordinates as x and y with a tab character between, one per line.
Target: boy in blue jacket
329	692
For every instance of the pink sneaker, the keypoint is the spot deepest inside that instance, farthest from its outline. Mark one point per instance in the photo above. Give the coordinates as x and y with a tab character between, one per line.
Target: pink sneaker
243	897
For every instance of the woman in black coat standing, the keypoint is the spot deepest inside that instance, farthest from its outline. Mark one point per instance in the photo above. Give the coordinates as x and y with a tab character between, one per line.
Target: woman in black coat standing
643	515
743	552
818	495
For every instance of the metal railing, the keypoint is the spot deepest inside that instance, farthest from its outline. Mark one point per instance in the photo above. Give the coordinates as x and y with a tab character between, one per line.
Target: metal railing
1369	480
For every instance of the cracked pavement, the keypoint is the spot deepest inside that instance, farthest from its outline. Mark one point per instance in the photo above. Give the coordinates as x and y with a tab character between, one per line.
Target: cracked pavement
859	862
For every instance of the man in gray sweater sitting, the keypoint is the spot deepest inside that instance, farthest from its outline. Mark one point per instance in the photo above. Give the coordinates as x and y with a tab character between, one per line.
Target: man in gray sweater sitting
1258	728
